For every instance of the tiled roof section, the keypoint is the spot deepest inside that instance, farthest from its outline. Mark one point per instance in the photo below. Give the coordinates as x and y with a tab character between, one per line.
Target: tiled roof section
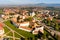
1	26
58	21
26	28
35	31
14	19
24	24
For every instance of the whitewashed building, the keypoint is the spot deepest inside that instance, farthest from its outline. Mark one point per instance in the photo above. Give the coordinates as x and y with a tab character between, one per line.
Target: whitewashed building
32	14
41	29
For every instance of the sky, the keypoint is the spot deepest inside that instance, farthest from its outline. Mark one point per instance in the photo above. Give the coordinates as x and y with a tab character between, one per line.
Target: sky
15	2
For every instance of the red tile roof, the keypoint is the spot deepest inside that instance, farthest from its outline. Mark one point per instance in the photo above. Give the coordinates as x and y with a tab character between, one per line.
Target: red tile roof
58	21
1	26
26	28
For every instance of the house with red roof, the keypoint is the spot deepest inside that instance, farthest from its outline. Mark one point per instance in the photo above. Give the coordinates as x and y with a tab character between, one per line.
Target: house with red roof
58	21
1	29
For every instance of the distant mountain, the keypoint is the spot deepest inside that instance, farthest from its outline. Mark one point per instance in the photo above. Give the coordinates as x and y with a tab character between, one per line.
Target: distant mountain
48	5
44	5
33	5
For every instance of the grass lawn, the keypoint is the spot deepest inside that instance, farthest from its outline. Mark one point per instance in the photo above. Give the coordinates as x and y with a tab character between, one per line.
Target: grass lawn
1	11
22	32
10	33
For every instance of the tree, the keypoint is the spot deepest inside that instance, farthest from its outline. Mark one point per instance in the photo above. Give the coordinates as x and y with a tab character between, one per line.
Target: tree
56	26
28	19
49	22
18	18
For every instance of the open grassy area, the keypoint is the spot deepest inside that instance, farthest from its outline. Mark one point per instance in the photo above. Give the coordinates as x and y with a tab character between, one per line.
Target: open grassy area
10	33
22	32
1	11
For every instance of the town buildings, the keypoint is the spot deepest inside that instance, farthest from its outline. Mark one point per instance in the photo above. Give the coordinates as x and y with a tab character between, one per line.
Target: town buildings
25	20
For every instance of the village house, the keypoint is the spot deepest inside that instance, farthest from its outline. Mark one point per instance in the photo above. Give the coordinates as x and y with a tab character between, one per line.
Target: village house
32	14
1	29
58	21
25	26
37	29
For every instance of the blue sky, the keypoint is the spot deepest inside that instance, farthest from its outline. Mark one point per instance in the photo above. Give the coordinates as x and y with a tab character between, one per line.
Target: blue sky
14	2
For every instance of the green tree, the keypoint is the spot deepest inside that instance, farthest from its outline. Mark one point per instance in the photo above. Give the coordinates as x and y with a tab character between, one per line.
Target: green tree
28	19
56	26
